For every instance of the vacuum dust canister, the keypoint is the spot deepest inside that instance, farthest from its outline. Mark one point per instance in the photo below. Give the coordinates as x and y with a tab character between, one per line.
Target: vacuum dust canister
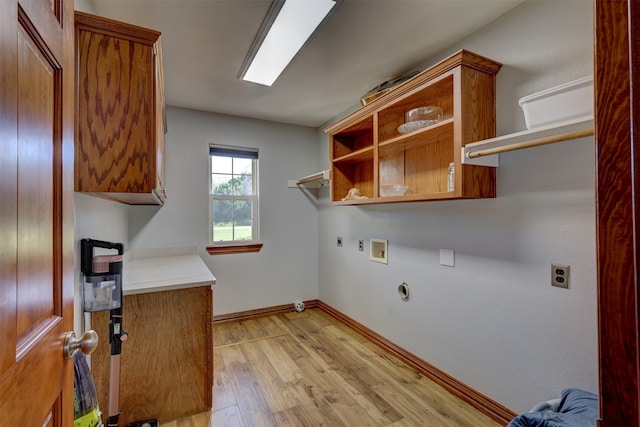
102	278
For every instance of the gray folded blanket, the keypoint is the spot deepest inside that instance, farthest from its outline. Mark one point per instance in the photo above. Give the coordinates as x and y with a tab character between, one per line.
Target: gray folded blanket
577	408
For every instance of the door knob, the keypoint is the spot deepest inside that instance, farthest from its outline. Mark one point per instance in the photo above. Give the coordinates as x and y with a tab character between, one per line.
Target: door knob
86	344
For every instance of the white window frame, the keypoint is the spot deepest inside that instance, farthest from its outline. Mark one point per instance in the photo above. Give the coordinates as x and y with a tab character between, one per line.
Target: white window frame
254	198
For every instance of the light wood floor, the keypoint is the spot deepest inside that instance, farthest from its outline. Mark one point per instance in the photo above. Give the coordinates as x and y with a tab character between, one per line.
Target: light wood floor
308	369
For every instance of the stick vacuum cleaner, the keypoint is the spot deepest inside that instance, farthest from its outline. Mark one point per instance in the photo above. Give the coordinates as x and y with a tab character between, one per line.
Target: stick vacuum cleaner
102	290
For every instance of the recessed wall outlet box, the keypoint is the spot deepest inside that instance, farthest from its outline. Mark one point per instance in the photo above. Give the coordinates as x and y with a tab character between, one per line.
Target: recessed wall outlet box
560	275
361	245
339	241
447	257
378	252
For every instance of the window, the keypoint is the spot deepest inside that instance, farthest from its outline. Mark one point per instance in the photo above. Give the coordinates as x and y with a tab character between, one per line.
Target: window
233	200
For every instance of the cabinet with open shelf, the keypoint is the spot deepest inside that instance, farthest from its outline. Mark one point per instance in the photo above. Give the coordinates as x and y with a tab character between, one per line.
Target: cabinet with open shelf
353	157
367	151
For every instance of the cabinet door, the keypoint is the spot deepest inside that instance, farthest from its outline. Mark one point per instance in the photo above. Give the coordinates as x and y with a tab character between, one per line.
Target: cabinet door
167	361
115	101
120	111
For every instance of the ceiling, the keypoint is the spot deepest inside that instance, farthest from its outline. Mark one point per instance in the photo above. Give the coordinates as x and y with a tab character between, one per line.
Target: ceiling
360	45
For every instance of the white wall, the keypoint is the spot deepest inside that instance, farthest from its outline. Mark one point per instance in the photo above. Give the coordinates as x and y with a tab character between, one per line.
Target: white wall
98	219
493	321
84	6
286	268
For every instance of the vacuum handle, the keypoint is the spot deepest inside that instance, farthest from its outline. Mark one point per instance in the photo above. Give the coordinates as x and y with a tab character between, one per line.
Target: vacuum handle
106	245
86	252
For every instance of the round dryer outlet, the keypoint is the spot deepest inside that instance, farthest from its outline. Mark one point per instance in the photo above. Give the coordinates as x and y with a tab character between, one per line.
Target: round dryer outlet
404	292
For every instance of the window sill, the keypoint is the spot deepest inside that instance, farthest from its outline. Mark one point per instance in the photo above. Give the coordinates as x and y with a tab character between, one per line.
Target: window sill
234	249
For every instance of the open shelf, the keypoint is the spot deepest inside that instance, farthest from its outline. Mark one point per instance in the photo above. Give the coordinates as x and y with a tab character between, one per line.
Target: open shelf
438	93
356	137
367	151
362	155
420	138
358	175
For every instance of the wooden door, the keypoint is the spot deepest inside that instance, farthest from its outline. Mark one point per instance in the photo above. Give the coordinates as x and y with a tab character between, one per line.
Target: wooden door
617	82
36	211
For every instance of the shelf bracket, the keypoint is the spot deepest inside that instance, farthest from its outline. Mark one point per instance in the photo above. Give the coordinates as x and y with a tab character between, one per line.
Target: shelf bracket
485	153
316	180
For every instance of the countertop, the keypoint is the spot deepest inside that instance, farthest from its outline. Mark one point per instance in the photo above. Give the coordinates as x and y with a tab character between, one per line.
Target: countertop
163	269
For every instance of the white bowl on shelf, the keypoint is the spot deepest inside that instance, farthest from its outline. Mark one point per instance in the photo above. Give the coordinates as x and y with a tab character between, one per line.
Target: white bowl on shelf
393	190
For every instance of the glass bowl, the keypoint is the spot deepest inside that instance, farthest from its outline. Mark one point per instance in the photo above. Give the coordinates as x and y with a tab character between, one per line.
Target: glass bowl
392	190
414	126
419	118
429	112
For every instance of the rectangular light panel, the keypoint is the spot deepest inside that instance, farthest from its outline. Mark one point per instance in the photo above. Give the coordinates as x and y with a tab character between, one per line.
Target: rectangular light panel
295	23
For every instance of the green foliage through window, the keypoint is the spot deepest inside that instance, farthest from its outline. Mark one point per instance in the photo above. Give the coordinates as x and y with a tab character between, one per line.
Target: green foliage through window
233	195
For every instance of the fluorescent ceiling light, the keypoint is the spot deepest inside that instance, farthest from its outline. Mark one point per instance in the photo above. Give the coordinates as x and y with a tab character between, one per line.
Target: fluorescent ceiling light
273	50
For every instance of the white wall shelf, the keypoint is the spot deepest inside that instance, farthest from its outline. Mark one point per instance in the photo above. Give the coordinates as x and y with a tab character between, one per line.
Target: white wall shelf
486	152
316	180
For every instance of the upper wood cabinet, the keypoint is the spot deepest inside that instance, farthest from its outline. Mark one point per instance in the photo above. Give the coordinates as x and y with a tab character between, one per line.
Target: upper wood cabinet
121	122
367	151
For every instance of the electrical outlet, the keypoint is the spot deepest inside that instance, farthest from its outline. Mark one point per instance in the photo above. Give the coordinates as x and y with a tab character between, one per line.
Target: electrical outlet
339	241
560	275
361	245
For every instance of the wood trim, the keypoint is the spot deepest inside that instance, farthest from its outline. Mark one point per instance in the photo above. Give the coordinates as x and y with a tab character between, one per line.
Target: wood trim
260	312
209	343
113	28
474	398
482	403
8	183
462	57
234	249
617	217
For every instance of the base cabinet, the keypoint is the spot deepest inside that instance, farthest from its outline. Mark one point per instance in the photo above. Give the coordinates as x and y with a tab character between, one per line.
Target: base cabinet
166	364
